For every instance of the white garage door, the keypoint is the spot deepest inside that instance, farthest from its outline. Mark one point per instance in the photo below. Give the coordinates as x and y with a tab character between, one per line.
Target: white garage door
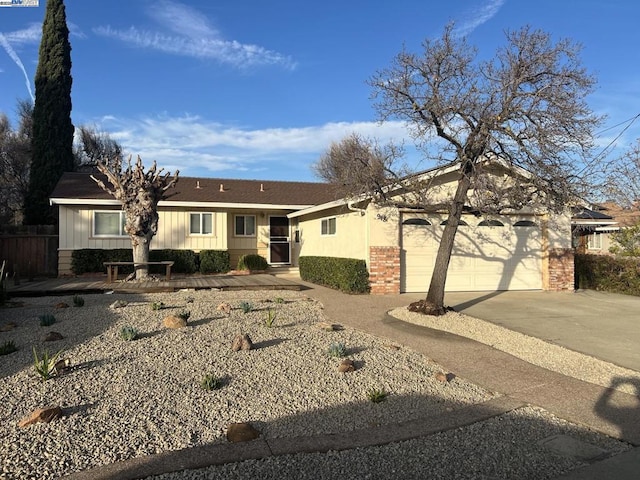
500	254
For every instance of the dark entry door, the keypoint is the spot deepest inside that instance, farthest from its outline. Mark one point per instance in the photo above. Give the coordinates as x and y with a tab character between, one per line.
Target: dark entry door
279	241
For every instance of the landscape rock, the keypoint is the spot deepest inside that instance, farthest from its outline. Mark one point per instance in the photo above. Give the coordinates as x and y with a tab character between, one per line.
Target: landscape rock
329	327
346	365
241	342
41	415
241	432
53	337
225	308
7	327
62	366
444	377
61	305
118	304
173	321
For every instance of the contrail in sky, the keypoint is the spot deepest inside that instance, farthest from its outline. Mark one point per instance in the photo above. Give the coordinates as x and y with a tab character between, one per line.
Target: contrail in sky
14	56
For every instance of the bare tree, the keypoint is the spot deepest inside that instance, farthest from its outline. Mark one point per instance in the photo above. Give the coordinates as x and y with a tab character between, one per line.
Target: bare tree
623	183
525	107
139	192
15	160
93	146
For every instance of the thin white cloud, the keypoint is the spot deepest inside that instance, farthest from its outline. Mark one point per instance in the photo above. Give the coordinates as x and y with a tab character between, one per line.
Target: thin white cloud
192	35
14	56
478	16
201	147
29	35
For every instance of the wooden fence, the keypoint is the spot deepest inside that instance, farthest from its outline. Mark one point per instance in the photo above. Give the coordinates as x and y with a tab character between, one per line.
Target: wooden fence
29	251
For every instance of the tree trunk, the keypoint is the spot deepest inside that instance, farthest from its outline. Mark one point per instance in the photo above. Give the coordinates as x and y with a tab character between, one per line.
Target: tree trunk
140	246
435	295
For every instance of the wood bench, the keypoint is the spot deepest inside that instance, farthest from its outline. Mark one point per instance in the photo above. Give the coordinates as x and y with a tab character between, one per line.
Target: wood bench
112	268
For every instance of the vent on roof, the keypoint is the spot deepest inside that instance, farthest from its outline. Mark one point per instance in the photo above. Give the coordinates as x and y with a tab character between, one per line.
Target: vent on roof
261	187
198	184
222	187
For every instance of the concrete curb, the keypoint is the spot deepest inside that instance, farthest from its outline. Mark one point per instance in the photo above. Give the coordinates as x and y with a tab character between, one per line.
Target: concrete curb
219	454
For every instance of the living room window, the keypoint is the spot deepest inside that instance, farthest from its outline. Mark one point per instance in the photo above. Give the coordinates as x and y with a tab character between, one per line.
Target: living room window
200	223
245	225
328	226
594	241
108	224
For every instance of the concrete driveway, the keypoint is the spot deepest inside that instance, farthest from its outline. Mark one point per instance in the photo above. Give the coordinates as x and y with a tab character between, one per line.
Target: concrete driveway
603	325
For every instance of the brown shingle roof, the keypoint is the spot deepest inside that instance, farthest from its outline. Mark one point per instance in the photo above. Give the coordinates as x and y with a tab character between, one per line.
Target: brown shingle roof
81	186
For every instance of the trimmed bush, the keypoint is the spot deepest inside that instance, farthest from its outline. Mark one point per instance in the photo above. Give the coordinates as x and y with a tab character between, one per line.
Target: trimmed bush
214	261
252	262
90	260
349	275
608	274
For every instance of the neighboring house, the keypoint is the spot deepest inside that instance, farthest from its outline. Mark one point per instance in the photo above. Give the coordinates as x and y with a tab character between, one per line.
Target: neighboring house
590	230
521	250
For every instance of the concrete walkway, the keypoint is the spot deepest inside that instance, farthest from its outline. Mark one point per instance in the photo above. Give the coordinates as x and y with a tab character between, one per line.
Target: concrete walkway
608	411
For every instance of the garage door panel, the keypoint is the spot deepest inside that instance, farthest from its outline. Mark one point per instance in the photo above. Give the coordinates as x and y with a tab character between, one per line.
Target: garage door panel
483	258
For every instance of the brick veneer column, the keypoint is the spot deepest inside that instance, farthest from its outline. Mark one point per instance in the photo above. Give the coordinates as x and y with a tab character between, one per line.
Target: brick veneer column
384	270
561	269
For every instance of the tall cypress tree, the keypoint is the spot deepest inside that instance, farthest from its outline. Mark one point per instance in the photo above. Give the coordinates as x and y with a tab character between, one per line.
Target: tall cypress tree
52	141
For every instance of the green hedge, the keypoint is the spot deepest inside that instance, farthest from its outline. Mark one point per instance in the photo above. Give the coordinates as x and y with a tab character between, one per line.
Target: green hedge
214	261
252	262
90	260
608	274
349	275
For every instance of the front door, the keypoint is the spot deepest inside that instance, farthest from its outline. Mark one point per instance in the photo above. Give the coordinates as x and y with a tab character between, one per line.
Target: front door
279	241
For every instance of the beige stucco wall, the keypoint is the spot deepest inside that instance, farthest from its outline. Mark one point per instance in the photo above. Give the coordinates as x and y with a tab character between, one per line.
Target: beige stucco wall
349	241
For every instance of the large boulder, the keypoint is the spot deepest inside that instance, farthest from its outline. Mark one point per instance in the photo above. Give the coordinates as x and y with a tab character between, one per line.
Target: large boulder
241	342
241	432
173	321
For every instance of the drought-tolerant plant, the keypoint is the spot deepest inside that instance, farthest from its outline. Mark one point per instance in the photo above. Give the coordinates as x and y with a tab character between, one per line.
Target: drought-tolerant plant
279	300
184	315
337	349
128	333
376	395
270	317
157	305
211	382
46	319
78	301
246	307
8	347
45	365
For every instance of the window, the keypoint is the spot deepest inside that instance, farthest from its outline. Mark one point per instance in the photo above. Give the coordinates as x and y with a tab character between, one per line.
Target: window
461	223
491	223
108	224
328	226
524	223
245	226
416	221
594	241
201	223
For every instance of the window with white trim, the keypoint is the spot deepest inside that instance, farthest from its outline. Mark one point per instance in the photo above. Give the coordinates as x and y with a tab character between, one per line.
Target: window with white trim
594	241
328	226
245	225
200	223
108	224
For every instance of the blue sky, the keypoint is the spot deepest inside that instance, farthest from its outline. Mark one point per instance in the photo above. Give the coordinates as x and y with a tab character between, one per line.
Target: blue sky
255	89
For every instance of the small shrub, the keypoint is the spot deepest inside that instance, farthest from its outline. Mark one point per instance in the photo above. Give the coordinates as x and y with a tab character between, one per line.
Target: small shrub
184	315
376	395
46	319
279	300
157	305
211	382
214	261
128	333
349	275
337	349
45	365
8	347
78	301
246	307
270	317
252	262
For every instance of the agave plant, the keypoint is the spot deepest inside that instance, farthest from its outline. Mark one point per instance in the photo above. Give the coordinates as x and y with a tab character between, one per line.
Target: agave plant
45	365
